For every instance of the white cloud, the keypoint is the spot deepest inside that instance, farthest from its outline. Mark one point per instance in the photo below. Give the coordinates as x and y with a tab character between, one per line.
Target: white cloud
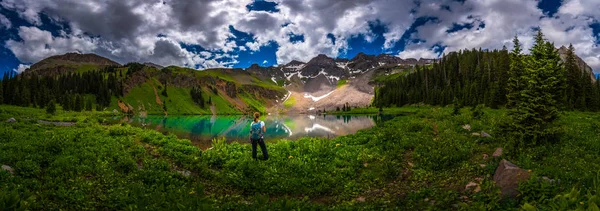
128	30
265	61
417	54
503	20
38	44
5	22
21	68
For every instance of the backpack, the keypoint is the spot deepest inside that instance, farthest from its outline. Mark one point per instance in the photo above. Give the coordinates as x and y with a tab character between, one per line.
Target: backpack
256	131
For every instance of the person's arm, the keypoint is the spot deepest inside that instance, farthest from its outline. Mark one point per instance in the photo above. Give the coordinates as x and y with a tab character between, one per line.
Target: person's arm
264	127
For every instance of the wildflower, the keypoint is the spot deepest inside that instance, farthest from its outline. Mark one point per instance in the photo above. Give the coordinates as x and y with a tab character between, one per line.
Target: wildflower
337	145
290	157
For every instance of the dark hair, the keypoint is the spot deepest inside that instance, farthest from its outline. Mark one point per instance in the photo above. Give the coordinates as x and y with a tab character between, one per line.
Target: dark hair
256	116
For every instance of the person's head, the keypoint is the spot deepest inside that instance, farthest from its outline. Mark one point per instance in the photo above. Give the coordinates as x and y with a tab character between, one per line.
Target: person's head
256	116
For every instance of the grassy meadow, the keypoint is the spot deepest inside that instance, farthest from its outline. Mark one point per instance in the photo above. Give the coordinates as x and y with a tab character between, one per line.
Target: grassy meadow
420	161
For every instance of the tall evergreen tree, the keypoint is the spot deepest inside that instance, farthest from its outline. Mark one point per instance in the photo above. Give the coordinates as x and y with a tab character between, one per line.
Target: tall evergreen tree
543	79
574	88
51	107
89	104
514	83
1	93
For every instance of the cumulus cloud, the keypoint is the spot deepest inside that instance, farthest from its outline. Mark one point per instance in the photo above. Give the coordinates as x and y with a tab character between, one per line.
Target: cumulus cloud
38	44
4	22
156	30
21	68
495	22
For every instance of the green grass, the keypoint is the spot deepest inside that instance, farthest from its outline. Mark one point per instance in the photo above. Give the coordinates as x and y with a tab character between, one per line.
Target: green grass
291	101
86	68
143	98
254	103
420	161
341	83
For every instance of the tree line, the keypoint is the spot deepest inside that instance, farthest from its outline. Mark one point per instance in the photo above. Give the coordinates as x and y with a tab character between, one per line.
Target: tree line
492	78
72	91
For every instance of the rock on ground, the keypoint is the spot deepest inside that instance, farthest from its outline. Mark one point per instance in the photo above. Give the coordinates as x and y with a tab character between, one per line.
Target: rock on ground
485	135
8	168
11	120
508	176
66	124
467	127
498	152
472	186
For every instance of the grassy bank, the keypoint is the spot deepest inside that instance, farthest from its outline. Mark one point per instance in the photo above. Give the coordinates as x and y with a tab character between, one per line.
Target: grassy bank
414	162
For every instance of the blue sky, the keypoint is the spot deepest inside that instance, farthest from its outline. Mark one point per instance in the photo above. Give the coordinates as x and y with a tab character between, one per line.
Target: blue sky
271	33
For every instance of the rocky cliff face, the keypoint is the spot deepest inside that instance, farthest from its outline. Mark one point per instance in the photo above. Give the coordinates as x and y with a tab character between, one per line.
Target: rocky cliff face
582	65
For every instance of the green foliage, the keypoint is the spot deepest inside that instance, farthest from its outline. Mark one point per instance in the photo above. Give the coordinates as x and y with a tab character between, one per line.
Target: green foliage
477	112
567	200
341	83
51	107
417	161
457	107
196	94
290	102
541	95
515	83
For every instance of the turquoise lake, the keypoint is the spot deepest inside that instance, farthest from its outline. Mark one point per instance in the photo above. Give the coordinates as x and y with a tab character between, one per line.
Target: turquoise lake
201	130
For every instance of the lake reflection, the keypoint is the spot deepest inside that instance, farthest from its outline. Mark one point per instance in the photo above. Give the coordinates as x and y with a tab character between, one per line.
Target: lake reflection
202	129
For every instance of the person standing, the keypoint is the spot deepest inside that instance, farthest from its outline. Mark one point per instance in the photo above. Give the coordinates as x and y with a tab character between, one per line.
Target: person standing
257	130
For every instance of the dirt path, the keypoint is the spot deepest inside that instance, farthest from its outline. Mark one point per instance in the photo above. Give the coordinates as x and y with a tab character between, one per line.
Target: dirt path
156	94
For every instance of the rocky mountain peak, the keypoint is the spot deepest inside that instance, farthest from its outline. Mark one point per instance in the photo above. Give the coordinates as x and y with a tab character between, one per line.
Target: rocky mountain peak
562	51
69	62
322	59
294	63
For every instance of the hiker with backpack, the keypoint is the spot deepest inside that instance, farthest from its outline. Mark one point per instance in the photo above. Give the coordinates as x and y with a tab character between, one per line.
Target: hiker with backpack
257	130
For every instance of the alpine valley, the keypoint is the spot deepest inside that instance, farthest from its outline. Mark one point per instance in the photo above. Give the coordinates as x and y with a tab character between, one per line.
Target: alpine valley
319	85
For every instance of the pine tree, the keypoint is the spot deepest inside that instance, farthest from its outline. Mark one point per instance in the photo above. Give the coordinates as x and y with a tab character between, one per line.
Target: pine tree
78	103
574	89
89	104
164	92
1	93
514	83
543	84
51	107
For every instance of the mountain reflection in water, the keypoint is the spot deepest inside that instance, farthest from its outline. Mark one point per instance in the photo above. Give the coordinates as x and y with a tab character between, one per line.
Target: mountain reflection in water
201	130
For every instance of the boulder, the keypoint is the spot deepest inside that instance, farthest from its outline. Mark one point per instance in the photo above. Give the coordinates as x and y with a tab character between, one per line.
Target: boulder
9	169
485	135
11	120
508	176
498	152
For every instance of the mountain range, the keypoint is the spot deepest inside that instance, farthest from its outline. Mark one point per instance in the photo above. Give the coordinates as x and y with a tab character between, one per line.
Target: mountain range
322	83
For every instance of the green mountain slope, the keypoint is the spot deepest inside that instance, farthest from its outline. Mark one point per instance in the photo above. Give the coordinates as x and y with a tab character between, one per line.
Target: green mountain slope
225	91
72	80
